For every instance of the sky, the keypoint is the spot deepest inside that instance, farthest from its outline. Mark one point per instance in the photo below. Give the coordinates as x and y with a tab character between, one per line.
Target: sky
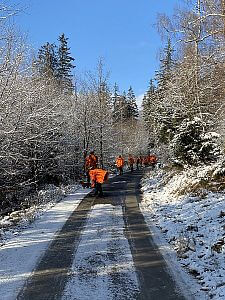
122	32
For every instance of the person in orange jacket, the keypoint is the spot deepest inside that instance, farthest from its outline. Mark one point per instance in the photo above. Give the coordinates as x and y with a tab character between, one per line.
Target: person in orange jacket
91	162
137	160
152	159
145	161
98	177
120	164
131	162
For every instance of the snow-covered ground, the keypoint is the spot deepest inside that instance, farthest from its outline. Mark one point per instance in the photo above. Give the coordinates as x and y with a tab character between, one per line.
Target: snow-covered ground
193	223
23	244
103	268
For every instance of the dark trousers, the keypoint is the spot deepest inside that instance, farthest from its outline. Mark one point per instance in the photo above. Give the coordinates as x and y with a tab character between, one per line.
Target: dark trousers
131	167
153	165
98	189
120	170
88	178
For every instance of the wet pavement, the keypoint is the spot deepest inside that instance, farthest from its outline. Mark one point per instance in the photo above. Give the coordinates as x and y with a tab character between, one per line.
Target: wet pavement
104	251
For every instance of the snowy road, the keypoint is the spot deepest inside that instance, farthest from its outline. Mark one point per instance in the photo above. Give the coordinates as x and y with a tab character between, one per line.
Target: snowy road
103	251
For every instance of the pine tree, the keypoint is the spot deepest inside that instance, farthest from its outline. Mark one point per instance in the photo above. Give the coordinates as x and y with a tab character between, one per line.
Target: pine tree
165	120
119	105
192	144
147	104
115	100
115	94
47	60
131	105
65	63
163	76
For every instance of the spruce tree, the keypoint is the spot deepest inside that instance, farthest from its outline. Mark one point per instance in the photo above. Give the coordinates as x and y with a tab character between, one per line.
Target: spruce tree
148	103
115	99
132	109
115	93
119	105
165	122
163	76
123	105
65	65
46	62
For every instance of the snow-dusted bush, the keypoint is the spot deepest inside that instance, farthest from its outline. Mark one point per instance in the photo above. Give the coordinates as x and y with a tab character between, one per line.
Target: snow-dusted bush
191	144
33	205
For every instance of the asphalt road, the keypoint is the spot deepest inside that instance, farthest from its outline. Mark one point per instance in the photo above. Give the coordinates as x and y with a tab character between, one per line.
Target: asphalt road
128	233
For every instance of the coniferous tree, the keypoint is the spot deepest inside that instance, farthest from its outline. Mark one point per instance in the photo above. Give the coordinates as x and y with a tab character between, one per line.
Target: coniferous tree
115	100
164	120
115	93
150	113
163	76
148	103
123	105
65	65
131	105
192	144
46	62
119	105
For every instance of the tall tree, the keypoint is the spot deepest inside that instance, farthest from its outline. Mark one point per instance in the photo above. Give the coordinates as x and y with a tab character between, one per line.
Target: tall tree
115	100
115	93
119	105
161	109
131	105
148	103
163	76
65	65
46	62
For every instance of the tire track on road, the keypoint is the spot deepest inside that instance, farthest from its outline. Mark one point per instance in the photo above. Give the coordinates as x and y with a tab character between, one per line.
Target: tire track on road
154	278
48	280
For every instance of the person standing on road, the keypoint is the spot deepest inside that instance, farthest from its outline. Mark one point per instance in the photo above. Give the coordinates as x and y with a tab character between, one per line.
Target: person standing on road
137	162
91	162
152	160
98	177
131	162
145	161
120	164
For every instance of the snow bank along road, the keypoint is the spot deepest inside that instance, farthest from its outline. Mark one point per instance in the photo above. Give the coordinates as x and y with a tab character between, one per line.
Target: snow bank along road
104	250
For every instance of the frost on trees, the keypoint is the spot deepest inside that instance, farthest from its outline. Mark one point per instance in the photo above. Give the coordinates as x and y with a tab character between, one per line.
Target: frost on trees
192	144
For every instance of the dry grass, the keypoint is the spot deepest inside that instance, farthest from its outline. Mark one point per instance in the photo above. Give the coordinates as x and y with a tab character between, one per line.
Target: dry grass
196	180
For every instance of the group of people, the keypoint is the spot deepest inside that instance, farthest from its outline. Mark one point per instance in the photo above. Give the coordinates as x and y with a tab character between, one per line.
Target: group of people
96	176
139	161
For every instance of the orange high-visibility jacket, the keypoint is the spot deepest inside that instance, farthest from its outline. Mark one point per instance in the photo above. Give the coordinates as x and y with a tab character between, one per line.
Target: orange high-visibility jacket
98	175
137	160
152	158
119	162
130	160
91	161
145	160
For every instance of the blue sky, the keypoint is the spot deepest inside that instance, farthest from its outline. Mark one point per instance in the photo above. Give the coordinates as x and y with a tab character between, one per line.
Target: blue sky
121	31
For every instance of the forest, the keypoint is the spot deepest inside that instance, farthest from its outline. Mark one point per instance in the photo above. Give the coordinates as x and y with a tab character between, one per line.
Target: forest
52	117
